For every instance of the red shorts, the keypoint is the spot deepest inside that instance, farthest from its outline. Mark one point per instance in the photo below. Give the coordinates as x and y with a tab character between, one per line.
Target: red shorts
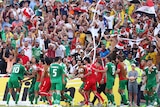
89	85
45	85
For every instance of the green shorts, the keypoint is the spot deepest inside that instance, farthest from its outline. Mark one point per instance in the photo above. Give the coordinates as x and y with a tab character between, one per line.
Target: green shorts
82	86
56	86
36	86
150	86
122	84
14	83
110	84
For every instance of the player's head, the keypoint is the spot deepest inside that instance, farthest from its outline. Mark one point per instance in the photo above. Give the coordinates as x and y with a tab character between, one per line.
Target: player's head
34	61
108	59
99	62
119	59
41	61
18	60
48	61
86	60
57	59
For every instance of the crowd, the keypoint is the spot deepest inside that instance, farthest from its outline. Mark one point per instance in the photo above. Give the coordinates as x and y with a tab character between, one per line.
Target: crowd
77	29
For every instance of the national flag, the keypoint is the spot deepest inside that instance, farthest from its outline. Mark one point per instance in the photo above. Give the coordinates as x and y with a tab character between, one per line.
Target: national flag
149	9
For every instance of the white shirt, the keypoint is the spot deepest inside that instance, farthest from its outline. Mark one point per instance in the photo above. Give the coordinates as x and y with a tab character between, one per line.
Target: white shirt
28	51
60	51
110	21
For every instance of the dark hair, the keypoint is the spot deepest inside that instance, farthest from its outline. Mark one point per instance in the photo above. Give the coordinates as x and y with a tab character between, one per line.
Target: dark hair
109	58
18	59
48	61
56	59
42	60
119	58
99	61
87	59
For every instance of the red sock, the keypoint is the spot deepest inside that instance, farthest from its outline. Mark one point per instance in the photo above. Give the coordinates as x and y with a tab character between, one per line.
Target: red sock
86	98
50	102
45	94
99	97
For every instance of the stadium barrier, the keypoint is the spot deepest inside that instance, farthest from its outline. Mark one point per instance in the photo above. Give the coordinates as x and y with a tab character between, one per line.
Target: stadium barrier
72	89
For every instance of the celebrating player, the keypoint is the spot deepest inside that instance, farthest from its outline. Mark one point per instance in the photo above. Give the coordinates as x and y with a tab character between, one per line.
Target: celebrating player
45	82
68	98
90	82
39	70
151	80
57	80
122	73
18	71
110	75
101	78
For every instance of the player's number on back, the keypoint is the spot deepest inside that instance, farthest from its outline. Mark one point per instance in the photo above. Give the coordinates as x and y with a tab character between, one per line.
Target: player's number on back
113	70
54	72
15	70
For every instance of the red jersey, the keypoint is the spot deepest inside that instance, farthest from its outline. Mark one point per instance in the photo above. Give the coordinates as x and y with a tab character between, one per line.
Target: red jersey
24	58
40	70
91	77
100	75
122	74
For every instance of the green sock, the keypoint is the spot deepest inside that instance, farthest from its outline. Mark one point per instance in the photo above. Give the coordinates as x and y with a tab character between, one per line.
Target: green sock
108	97
124	99
146	98
112	98
54	96
17	97
43	98
36	100
58	98
68	97
31	98
156	97
8	97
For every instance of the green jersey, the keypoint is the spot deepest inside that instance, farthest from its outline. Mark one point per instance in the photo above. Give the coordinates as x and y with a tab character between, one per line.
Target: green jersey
34	78
64	67
111	70
151	75
56	72
18	71
36	52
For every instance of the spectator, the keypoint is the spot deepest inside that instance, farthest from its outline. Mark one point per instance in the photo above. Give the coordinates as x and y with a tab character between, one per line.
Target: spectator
10	60
133	86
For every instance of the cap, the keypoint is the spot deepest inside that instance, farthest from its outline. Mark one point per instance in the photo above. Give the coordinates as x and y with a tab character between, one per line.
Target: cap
37	41
133	65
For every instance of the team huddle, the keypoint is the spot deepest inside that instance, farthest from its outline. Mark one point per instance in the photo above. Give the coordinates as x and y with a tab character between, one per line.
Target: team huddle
49	80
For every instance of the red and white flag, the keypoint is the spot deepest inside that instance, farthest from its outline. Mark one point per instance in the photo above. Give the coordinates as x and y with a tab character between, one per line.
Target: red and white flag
148	9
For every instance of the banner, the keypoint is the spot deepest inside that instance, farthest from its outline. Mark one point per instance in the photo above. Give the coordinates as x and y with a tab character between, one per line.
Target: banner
72	89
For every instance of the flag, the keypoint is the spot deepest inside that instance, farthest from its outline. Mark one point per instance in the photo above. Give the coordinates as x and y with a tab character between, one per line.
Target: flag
120	46
134	1
149	9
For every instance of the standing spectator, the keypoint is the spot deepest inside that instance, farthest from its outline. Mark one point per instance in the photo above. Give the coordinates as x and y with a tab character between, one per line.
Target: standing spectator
36	50
10	60
60	50
133	86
